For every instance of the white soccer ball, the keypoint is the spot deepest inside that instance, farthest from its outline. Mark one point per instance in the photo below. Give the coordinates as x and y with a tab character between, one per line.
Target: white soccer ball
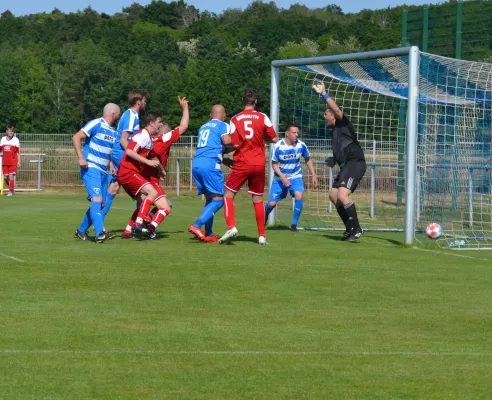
433	230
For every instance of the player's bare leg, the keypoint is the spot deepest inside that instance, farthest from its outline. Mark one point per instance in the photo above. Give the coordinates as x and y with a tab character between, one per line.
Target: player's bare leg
229	214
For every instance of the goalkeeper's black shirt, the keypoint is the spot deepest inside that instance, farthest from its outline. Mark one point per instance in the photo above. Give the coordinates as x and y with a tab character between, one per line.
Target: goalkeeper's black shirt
345	144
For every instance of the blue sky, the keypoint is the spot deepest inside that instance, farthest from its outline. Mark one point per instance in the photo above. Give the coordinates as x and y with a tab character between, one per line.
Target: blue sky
22	7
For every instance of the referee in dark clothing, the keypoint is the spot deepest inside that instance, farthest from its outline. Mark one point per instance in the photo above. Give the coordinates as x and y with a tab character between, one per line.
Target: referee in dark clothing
349	156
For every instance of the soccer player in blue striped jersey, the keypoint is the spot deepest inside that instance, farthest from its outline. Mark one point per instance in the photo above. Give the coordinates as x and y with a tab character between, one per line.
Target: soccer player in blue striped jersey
207	174
286	163
128	125
94	161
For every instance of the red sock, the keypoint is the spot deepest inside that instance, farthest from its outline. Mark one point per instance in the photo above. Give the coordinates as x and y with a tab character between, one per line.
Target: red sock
128	229
260	217
143	211
11	185
159	216
229	212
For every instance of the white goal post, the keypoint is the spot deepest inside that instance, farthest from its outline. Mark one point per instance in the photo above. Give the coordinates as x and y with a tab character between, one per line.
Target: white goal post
424	122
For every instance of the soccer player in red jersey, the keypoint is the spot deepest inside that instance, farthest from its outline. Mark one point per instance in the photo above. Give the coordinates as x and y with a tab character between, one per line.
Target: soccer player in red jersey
161	144
249	130
10	147
132	166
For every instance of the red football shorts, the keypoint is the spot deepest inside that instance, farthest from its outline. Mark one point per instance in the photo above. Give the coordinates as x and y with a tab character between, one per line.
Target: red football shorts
9	169
254	174
131	181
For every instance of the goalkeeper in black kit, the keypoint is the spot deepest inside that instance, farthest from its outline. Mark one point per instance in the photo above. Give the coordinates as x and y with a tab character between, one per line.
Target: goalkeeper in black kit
349	156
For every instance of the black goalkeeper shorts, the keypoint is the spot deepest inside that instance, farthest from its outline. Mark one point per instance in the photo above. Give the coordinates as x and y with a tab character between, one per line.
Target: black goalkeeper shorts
350	175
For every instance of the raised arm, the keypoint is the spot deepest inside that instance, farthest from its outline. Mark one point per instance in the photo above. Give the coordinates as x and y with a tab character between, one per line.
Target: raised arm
319	87
185	119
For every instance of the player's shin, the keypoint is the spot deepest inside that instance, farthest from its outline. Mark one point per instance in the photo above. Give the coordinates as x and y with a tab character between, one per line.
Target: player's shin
353	220
342	212
108	201
208	213
96	216
298	204
260	217
128	229
229	212
12	184
86	222
268	209
143	211
158	217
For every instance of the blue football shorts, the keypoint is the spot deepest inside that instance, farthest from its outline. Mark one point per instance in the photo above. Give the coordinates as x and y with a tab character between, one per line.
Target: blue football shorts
208	181
95	182
278	191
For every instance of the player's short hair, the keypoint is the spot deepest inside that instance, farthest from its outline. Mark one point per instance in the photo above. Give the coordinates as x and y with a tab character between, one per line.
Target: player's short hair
250	97
166	127
291	125
136	95
10	126
151	116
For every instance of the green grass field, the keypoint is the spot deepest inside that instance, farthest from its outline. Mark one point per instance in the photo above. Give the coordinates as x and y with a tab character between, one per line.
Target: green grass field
306	317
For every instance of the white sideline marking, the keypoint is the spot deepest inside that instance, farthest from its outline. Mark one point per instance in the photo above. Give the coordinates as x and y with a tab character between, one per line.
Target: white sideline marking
12	258
250	353
449	254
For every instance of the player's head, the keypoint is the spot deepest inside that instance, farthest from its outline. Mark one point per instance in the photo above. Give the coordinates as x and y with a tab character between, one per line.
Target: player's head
153	122
330	117
292	132
218	112
137	100
250	97
10	130
165	127
111	113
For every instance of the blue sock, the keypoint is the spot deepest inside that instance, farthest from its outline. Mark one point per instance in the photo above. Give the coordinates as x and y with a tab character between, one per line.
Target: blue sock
107	204
297	211
268	210
208	224
86	221
207	202
208	213
96	216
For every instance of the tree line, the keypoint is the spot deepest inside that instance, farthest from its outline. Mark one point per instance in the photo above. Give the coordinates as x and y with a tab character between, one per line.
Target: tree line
58	70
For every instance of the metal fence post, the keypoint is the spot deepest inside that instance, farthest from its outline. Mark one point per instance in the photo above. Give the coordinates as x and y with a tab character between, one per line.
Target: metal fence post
177	176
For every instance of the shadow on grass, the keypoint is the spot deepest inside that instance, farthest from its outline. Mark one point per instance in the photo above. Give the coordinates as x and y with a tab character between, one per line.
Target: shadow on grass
392	241
278	228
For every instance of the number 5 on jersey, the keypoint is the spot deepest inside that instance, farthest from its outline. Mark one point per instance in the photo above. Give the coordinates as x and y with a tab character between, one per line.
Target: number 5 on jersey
247	128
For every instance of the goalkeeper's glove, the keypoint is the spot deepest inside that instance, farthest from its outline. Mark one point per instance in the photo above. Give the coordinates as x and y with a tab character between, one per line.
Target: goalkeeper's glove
228	148
228	162
319	87
330	162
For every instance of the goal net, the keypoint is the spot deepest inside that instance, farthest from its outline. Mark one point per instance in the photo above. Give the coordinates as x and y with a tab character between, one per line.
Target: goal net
452	166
